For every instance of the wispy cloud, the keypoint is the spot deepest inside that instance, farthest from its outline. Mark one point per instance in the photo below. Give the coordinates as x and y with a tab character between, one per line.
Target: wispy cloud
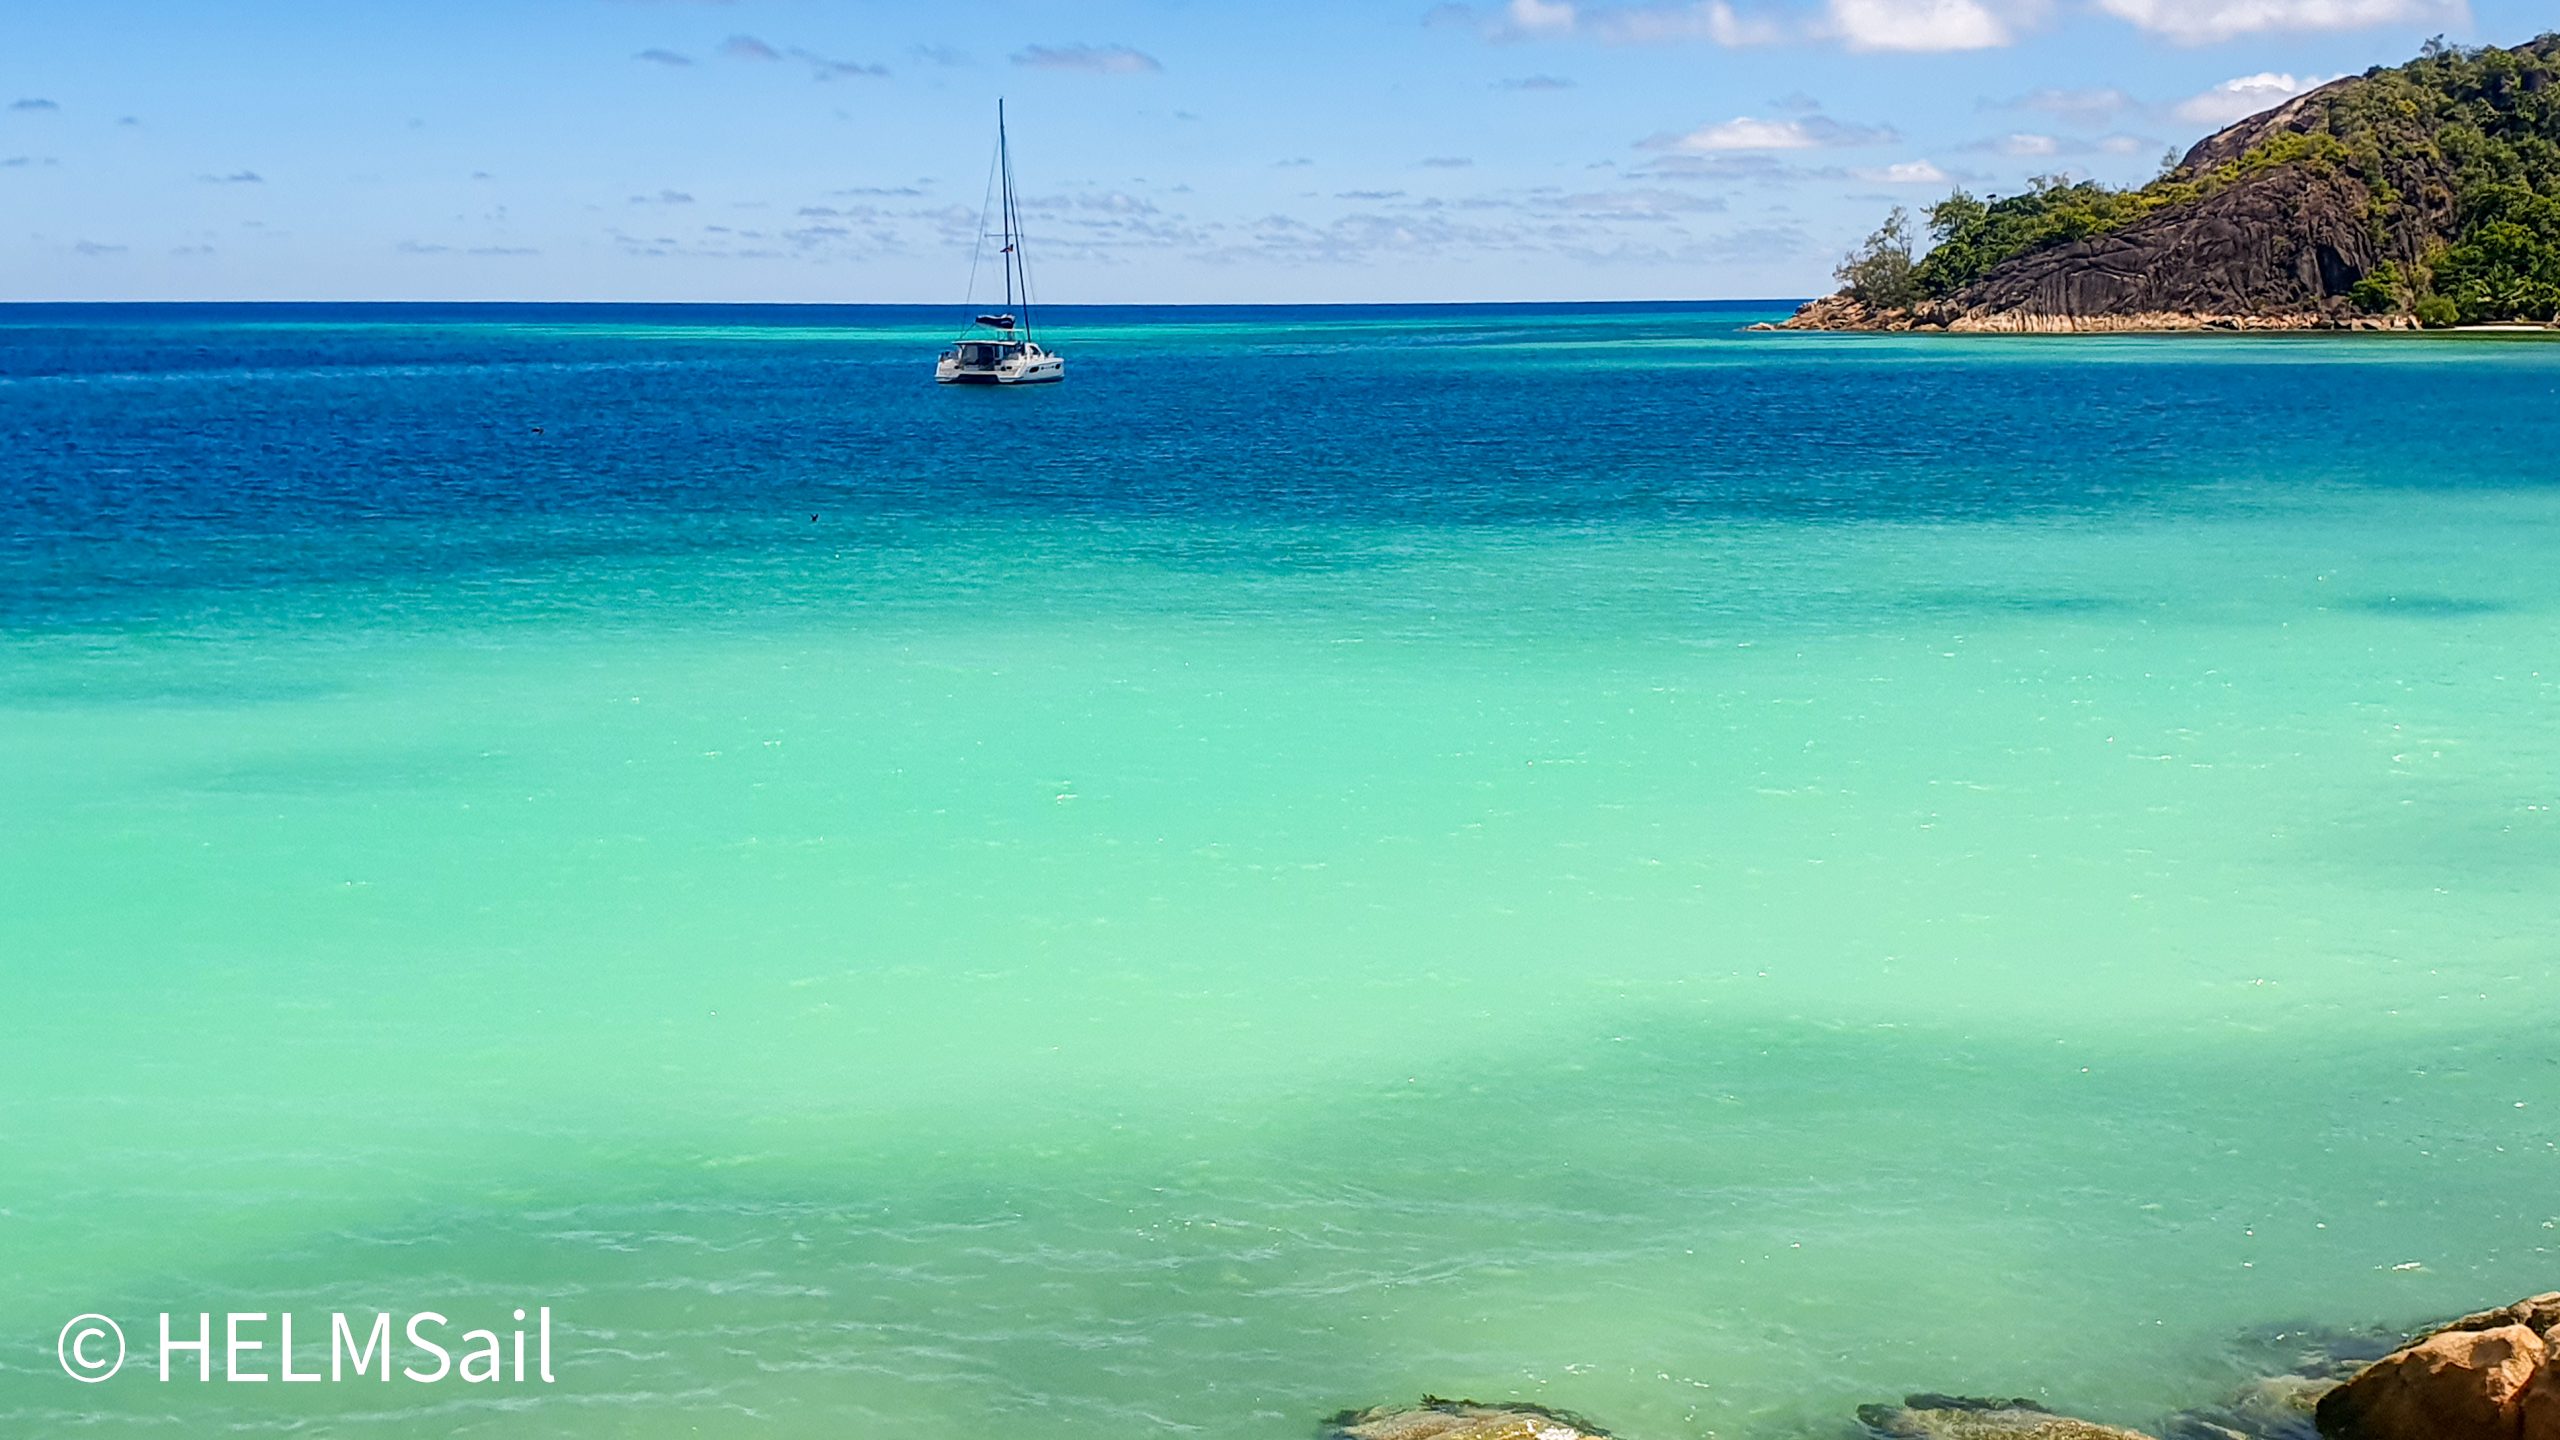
663	197
1906	25
757	51
1747	133
2205	22
1714	21
1092	59
1641	203
1447	162
2022	144
827	69
663	57
93	247
1535	82
33	103
1654	223
2038	145
2243	96
236	177
2078	107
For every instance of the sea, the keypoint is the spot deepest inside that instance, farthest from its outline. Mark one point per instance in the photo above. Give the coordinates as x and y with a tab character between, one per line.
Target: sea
1582	854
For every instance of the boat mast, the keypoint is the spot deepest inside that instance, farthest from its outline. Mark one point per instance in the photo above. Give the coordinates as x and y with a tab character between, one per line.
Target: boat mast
1012	227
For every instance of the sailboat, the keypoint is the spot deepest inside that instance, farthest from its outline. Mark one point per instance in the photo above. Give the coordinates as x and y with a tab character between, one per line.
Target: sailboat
997	348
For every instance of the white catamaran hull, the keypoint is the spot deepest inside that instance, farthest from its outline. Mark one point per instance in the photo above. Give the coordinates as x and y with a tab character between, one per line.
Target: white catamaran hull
1045	370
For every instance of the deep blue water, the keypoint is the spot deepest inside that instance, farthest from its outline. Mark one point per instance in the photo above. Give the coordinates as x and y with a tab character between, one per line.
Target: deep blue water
225	445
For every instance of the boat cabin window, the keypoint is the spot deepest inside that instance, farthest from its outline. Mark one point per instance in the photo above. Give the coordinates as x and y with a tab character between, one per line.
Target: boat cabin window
982	352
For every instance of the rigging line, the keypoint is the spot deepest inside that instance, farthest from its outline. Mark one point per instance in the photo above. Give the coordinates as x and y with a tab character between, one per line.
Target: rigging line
978	247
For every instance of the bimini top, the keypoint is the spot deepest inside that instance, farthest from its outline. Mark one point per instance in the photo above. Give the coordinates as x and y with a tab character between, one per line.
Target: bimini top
996	322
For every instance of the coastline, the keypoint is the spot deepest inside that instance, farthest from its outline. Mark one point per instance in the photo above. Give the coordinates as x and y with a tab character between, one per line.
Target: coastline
1840	312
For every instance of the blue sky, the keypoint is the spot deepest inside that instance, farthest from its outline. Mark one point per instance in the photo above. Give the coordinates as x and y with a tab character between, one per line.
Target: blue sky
1169	150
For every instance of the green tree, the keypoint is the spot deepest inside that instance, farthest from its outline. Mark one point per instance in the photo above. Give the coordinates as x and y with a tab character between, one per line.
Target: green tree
1955	215
1879	273
2379	290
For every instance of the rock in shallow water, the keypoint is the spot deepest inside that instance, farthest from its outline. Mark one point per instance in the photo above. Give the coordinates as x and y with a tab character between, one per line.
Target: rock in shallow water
1438	1419
1964	1417
2456	1384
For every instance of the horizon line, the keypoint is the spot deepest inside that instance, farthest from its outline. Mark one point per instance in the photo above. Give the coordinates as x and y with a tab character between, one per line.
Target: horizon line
941	305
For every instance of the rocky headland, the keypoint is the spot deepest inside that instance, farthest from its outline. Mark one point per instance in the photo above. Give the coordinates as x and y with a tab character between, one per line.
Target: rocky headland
2423	194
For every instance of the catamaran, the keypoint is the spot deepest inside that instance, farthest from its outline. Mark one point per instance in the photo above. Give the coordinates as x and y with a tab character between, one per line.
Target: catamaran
997	348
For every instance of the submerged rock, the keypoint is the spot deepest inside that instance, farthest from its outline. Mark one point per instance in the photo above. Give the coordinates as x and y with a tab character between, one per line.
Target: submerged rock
1438	1419
2317	1352
2278	1407
1965	1417
2490	1376
2296	1365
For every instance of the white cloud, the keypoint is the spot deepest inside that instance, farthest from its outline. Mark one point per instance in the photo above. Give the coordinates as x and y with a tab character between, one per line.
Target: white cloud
2246	95
1092	59
1744	133
826	69
1908	172
1663	22
1637	204
1918	24
2202	22
1747	132
2035	145
1712	20
1540	16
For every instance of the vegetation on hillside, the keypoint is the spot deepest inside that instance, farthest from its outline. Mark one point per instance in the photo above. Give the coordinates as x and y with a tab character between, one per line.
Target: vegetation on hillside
2472	131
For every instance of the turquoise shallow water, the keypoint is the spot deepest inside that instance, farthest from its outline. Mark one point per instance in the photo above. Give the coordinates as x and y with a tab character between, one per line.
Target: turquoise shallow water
1573	853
